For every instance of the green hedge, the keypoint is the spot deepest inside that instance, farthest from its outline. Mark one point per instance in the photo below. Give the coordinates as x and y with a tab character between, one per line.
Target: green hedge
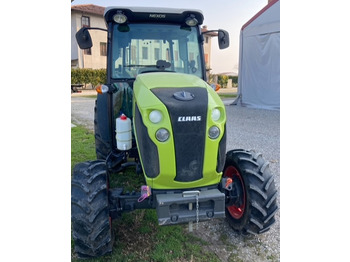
99	76
223	79
88	76
234	79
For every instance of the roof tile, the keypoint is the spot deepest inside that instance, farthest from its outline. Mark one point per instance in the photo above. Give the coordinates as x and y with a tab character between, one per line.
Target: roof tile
91	9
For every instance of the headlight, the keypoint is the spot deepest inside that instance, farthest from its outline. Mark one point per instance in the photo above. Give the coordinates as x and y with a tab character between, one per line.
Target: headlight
155	116
214	132
162	135
215	114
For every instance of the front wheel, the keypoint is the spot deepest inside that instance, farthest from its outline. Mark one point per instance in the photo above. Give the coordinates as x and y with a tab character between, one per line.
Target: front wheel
92	232
251	204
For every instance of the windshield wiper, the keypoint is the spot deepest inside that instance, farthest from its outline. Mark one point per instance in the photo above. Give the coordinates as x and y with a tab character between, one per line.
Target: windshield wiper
157	71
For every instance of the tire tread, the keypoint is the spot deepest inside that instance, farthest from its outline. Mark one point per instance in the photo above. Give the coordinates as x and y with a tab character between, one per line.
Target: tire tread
261	205
90	210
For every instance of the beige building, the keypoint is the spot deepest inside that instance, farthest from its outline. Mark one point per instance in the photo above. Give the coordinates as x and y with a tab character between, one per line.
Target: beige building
96	57
89	16
207	46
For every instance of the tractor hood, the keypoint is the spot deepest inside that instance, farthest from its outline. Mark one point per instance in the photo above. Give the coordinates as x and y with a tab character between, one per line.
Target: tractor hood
164	79
185	104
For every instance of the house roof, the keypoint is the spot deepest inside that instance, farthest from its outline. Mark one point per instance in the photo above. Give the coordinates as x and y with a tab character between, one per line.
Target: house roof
271	3
89	9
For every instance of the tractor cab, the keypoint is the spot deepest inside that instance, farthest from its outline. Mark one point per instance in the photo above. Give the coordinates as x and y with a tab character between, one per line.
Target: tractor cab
144	40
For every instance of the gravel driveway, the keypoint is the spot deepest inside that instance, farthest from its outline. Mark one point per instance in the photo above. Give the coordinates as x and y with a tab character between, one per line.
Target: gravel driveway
256	129
82	111
247	128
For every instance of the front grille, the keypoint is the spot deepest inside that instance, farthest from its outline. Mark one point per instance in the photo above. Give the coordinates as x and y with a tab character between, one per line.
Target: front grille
188	119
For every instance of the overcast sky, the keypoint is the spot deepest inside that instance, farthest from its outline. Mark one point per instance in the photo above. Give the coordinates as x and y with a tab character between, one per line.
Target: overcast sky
218	14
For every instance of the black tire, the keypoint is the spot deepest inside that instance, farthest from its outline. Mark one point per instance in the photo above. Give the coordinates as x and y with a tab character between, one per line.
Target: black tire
102	127
91	222
254	209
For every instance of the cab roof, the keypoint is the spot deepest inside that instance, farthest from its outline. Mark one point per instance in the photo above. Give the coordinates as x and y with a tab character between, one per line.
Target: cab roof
153	14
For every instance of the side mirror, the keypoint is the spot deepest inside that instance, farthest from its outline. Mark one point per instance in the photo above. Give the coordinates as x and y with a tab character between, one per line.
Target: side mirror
223	39
83	38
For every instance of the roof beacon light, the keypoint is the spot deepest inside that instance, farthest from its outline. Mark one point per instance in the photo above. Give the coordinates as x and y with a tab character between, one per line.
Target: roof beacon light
120	18
191	20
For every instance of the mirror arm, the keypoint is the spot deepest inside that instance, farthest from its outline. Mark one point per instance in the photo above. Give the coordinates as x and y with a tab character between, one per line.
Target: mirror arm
210	31
94	28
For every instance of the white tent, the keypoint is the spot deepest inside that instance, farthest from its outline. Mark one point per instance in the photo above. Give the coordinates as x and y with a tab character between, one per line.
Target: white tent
259	59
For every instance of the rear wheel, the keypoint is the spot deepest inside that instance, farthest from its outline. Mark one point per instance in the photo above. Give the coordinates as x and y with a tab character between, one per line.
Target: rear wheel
91	222
251	204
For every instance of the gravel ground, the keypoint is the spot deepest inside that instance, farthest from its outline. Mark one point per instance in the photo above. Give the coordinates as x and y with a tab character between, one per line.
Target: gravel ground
247	128
82	111
259	130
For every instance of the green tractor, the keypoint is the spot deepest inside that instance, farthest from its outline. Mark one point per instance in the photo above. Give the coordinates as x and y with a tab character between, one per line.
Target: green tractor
158	114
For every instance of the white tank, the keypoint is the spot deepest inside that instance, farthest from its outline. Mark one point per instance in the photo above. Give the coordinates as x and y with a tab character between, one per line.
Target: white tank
123	132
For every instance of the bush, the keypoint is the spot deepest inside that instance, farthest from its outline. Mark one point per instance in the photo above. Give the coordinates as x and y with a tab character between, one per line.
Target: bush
88	76
234	79
76	76
222	80
99	77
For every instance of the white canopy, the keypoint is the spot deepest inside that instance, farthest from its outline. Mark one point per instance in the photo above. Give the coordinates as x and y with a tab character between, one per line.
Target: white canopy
259	59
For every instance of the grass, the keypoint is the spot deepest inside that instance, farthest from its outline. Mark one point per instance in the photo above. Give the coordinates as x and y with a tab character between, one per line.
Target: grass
223	96
90	96
138	237
82	145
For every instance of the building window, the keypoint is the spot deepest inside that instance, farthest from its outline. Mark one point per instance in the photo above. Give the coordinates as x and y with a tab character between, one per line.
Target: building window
103	49
156	53
133	54
87	51
206	40
85	21
144	52
191	56
167	54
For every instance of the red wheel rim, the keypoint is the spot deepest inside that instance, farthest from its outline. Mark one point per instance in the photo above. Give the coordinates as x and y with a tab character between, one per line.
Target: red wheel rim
236	211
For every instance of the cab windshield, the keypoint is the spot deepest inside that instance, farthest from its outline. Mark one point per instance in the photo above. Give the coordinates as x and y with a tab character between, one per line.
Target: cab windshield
143	48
